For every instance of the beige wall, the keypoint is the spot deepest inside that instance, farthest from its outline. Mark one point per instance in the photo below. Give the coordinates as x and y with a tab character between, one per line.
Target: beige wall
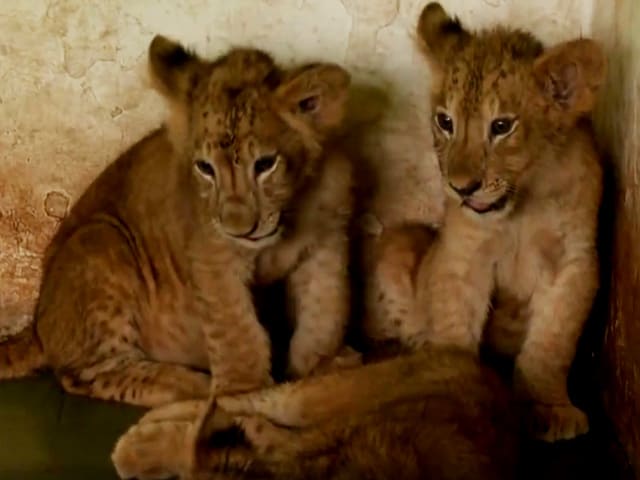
73	94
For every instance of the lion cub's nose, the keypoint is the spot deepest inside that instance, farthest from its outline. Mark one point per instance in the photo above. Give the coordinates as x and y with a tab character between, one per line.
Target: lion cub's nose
238	219
467	189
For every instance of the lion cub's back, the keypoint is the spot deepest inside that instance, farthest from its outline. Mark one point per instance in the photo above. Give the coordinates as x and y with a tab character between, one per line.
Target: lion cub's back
469	433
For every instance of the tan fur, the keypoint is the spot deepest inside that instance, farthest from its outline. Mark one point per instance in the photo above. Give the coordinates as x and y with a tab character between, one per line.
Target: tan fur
436	414
515	260
147	282
21	355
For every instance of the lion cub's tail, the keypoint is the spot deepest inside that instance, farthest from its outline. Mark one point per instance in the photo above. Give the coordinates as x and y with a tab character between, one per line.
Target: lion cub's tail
21	355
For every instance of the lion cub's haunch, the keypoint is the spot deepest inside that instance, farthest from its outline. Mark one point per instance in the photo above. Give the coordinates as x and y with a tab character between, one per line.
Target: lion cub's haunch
515	260
148	278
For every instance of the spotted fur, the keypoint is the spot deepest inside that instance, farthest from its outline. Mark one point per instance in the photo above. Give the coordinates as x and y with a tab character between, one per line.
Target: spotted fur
515	261
146	291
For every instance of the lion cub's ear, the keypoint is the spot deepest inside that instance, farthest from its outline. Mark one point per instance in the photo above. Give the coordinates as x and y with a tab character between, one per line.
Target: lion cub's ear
314	97
440	35
172	68
568	75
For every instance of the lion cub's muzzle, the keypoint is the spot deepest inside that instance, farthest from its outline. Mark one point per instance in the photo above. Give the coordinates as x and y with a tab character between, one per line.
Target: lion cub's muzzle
243	223
238	219
477	197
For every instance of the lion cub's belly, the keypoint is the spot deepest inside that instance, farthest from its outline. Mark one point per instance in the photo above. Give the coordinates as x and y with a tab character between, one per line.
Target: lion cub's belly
174	335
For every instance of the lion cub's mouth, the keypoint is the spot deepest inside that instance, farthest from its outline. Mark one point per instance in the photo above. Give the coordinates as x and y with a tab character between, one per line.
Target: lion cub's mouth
486	207
262	236
258	240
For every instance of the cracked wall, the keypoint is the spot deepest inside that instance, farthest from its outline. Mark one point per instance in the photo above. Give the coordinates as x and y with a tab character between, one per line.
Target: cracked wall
74	95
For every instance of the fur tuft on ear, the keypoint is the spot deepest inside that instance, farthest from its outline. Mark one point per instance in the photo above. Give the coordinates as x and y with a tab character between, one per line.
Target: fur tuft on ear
315	95
569	75
439	34
172	68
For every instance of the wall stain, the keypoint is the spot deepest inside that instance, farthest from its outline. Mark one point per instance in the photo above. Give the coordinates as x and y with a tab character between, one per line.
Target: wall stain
56	204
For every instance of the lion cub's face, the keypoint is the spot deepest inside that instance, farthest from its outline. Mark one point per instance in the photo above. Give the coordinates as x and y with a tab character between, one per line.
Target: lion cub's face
250	133
499	100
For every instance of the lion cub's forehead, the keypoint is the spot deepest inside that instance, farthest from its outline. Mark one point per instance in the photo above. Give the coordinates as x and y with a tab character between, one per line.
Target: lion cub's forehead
241	68
491	71
233	99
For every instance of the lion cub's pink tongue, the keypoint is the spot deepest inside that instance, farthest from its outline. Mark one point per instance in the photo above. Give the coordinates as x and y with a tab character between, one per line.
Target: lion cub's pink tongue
477	205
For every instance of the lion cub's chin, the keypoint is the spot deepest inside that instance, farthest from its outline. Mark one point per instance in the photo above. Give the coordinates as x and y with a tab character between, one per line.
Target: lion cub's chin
479	209
256	242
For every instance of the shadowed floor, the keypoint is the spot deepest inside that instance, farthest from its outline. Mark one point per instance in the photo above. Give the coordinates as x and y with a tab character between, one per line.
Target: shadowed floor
48	435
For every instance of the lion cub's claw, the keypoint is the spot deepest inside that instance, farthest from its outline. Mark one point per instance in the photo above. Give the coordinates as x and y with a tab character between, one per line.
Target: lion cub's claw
552	423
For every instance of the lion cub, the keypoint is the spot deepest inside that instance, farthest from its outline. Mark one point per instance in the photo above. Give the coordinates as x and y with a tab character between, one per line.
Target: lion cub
147	282
433	414
515	261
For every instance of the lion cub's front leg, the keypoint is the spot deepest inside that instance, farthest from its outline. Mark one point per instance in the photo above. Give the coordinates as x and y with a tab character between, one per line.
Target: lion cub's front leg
453	292
390	291
558	311
319	292
238	346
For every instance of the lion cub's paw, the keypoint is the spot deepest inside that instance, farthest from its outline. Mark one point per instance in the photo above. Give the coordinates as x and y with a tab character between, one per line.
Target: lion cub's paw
150	451
558	422
346	358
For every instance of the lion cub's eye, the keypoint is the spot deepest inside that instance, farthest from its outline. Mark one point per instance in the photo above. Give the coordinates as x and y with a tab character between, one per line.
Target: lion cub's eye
205	168
264	164
445	122
501	126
